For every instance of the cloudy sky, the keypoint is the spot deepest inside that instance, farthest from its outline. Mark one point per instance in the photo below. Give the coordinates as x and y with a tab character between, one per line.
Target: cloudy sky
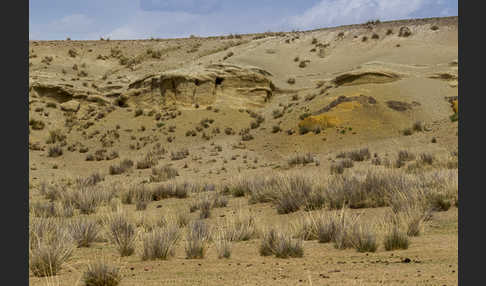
138	19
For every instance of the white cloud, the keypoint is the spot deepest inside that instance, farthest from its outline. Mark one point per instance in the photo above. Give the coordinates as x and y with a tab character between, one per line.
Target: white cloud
166	24
73	23
341	12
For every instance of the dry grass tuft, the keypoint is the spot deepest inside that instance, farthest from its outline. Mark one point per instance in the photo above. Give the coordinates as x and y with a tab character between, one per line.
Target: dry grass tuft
160	242
84	231
197	239
101	274
122	233
241	227
50	246
281	244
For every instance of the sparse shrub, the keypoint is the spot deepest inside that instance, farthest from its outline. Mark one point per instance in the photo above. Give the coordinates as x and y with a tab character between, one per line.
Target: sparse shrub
364	39
267	247
182	218
241	227
197	239
439	202
356	155
326	227
54	151
337	168
407	132
84	231
301	159
229	131
396	239
246	137
434	28
205	208
375	36
364	238
50	246
291	80
37	124
179	155
454	117
389	32
191	133
72	53
405	155
293	193
223	247
183	190
314	201
277	113
123	234
418	126
51	105
160	242
136	193
164	173
220	201
45	210
426	158
101	274
138	112
276	129
304	115
121	168
281	244
141	205
148	161
89	181
303	64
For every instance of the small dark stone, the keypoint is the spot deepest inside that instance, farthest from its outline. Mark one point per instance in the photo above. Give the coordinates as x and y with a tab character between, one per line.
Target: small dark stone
406	260
159	206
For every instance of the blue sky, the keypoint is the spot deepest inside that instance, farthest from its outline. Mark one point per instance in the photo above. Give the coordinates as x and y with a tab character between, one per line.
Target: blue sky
139	19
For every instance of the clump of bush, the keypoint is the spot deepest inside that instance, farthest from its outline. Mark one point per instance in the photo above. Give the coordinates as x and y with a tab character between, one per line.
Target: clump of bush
301	159
36	124
101	274
123	234
163	174
160	243
124	165
338	168
50	246
84	231
356	155
197	239
179	155
54	151
281	244
396	239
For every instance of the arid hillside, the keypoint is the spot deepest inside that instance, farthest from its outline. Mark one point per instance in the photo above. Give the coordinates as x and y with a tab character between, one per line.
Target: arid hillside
363	116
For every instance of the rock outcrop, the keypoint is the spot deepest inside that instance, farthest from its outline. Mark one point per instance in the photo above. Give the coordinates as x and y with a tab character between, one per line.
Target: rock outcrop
204	85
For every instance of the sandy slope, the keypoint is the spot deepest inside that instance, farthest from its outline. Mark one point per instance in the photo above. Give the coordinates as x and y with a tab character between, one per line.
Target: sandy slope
419	71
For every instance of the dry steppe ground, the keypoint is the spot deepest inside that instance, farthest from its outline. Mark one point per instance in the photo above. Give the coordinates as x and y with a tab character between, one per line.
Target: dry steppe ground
333	152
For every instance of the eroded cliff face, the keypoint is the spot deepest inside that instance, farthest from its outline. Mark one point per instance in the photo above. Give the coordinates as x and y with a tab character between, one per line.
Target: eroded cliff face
206	85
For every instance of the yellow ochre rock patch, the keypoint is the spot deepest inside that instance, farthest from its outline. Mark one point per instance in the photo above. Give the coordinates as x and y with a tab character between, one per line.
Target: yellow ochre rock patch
320	121
454	105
